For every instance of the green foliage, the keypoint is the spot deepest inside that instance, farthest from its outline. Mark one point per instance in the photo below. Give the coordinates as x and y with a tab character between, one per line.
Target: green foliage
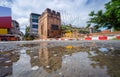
27	30
115	39
70	29
83	31
66	28
91	13
29	36
88	25
110	18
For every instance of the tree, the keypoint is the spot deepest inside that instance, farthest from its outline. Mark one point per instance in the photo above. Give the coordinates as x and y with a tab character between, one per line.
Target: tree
113	14
66	28
99	19
88	25
27	30
110	18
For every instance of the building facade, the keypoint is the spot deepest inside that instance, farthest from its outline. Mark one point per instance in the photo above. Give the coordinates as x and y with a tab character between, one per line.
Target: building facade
9	29
15	29
34	23
49	24
5	20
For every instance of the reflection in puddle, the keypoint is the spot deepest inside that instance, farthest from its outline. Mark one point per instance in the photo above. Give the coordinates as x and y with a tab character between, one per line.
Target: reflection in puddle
61	61
103	49
6	62
22	66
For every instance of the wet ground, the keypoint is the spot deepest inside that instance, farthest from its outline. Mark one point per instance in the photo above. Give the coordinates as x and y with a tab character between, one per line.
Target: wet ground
62	59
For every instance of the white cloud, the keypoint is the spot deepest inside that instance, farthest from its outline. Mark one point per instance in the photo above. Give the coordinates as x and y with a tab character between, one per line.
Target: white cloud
72	11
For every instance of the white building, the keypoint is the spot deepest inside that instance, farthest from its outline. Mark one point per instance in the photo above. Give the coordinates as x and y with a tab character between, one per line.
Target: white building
34	23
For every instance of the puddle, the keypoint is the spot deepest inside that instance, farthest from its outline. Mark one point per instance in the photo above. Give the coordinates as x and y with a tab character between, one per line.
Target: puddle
35	68
52	60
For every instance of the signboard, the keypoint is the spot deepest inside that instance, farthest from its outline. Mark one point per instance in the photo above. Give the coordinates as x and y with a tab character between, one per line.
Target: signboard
5	17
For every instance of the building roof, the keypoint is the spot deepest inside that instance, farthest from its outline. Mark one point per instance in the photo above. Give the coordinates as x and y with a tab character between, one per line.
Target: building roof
35	14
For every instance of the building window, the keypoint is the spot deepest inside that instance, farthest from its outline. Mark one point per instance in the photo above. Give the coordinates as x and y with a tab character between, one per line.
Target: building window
35	16
35	26
54	27
35	20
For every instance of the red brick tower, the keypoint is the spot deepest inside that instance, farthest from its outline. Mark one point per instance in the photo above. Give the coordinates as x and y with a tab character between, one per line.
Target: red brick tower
49	24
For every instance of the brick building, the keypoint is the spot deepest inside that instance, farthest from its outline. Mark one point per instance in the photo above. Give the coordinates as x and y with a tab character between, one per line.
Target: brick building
49	24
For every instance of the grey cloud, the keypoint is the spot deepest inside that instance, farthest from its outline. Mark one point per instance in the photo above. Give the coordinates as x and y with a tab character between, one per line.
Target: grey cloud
72	11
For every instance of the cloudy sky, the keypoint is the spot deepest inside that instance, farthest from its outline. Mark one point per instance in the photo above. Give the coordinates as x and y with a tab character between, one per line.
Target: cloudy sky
73	12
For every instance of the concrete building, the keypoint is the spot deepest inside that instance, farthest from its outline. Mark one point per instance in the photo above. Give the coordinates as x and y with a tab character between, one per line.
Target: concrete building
34	23
9	29
15	29
49	24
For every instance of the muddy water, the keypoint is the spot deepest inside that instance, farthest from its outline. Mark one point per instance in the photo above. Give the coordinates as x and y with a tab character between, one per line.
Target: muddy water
65	60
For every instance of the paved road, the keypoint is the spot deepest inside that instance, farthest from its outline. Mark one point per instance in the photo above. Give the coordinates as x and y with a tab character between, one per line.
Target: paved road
12	45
